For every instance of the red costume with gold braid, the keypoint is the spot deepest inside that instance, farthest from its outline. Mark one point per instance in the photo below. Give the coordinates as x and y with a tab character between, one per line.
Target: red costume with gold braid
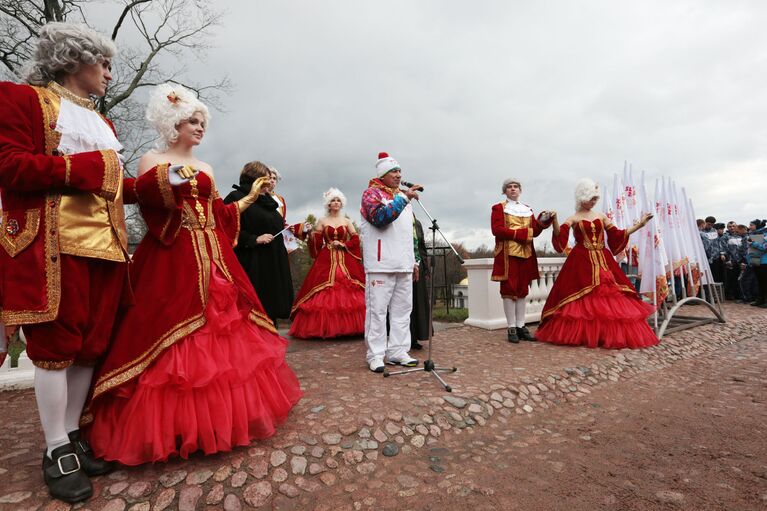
196	358
33	179
331	302
592	302
515	264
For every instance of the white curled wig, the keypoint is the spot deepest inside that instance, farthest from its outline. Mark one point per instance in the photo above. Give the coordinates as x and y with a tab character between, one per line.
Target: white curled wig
276	173
584	191
507	182
63	47
333	193
169	105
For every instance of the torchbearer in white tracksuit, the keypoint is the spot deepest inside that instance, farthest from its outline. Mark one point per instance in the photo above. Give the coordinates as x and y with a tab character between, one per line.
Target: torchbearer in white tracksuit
388	253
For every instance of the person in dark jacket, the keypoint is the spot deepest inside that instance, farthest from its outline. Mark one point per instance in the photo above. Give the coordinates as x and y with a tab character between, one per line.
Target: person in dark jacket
420	318
261	253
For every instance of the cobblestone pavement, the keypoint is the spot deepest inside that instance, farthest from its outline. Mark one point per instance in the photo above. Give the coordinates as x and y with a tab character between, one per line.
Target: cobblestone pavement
526	427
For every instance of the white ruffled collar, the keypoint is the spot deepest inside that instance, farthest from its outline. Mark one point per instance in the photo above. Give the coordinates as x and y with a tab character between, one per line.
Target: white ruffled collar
83	130
516	208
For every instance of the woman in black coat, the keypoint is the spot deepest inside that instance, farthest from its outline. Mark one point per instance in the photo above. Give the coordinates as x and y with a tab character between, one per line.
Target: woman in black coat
262	256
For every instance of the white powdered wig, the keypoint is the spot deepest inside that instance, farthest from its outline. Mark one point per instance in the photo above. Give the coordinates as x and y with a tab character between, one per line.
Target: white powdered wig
333	193
584	191
507	182
169	105
63	47
276	173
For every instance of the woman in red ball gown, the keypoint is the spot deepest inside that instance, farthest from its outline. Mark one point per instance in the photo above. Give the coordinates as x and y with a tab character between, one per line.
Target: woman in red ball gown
195	363
592	302
331	302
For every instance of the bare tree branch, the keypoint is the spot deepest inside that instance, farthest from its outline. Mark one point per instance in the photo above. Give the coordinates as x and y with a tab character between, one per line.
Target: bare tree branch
125	12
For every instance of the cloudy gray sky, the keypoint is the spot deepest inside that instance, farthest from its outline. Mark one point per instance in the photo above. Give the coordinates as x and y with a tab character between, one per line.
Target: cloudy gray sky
465	94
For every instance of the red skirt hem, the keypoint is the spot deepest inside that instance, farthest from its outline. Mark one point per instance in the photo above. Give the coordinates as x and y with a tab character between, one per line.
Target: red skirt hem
605	318
221	387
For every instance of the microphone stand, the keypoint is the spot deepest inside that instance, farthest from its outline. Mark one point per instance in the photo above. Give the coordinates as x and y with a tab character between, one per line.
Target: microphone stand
428	364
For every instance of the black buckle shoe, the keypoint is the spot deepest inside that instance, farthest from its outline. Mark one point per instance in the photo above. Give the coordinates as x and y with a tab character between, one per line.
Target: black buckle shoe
415	345
93	466
64	475
524	334
511	334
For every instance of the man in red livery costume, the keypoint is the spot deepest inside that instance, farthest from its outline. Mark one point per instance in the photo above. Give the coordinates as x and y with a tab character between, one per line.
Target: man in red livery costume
515	265
63	244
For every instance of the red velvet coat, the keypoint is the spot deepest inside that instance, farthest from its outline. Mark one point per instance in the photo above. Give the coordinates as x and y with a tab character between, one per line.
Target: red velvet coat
32	178
506	236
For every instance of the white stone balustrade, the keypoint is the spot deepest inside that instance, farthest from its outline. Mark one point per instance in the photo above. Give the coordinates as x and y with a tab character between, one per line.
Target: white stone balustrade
485	306
17	377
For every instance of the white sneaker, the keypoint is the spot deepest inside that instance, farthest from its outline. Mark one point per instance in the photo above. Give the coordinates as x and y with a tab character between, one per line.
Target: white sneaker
406	360
377	365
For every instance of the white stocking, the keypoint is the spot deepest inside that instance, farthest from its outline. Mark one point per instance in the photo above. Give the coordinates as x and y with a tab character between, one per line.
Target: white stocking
519	305
78	384
51	395
508	309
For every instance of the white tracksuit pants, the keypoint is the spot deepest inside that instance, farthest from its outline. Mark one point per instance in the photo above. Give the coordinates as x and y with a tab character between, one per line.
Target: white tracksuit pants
392	292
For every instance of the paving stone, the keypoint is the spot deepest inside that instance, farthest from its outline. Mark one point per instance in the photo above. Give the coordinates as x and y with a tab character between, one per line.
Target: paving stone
118	504
317	451
164	499
277	458
455	401
117	488
298	465
288	490
258	468
141	506
379	435
418	440
475	408
15	497
328	478
215	495
670	497
172	478
232	503
331	438
308	439
222	474
390	449
188	497
280	475
315	468
308	485
238	479
298	450
257	494
139	489
348	429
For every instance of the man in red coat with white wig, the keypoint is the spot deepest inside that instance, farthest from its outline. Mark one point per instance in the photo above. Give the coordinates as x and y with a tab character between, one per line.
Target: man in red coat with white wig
516	266
63	244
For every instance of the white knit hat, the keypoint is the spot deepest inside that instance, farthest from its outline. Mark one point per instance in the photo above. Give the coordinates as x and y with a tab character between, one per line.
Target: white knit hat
385	164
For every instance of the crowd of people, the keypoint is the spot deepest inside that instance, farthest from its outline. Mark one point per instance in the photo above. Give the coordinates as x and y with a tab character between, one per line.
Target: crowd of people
175	349
737	255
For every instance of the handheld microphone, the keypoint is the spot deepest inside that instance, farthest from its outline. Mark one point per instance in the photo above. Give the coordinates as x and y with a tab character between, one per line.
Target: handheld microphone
410	185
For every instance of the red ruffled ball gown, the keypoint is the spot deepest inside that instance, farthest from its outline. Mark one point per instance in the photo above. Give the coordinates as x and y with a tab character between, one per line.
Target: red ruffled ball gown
195	363
331	302
592	302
